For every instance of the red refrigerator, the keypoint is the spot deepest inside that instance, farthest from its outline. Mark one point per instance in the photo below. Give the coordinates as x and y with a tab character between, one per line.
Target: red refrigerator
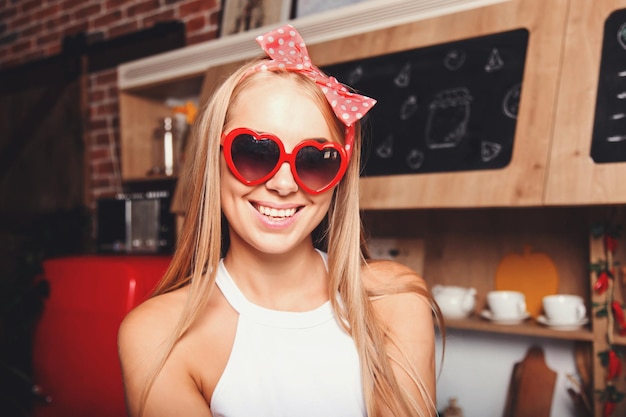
75	345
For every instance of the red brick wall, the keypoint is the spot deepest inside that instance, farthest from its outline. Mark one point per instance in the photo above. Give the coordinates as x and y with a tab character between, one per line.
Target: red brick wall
34	29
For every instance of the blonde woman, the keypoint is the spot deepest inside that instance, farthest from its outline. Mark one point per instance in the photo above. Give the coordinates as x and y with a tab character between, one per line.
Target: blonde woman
270	306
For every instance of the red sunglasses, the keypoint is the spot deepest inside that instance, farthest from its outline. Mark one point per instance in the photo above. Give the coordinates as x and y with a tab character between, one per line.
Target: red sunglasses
255	157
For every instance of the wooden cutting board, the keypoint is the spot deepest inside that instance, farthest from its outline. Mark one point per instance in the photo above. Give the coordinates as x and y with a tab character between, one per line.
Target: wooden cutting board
532	387
531	273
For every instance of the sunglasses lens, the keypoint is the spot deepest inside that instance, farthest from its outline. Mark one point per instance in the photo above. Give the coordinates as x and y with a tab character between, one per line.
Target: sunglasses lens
254	158
317	167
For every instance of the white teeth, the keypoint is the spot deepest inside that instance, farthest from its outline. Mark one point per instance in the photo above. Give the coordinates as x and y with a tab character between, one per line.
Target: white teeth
272	212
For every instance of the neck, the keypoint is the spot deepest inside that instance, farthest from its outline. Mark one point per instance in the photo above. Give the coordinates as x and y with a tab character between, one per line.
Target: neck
292	281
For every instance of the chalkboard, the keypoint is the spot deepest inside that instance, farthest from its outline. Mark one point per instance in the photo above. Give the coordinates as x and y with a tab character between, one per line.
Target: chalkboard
608	143
446	107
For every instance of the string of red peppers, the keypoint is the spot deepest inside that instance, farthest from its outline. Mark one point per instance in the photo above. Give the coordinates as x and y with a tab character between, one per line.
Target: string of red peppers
614	311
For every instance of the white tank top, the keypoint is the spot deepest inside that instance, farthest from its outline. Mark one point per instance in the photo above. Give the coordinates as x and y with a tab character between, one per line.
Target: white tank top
287	364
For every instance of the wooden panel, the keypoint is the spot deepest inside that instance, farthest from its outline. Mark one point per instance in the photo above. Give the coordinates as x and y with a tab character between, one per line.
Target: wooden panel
42	161
522	181
614	216
139	117
574	178
409	252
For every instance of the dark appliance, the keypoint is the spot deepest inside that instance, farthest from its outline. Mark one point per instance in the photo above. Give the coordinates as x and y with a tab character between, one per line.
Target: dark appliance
136	223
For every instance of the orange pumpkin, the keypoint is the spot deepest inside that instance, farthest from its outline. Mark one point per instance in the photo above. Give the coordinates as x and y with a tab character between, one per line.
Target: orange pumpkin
532	273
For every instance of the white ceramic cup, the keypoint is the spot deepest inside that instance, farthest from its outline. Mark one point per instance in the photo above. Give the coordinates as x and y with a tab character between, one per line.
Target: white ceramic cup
506	305
455	302
564	309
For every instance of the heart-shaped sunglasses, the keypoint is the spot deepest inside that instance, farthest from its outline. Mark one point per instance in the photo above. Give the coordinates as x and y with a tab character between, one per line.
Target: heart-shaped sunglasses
255	157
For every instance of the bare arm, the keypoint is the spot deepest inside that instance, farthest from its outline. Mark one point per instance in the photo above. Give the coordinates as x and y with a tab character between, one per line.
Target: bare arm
142	336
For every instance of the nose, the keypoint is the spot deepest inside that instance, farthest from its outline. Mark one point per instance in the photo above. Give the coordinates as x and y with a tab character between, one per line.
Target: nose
283	181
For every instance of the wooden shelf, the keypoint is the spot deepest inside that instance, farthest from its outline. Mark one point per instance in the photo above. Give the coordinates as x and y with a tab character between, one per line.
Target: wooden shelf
527	328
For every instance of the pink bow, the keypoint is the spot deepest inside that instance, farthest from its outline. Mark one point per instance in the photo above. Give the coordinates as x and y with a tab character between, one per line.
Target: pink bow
287	51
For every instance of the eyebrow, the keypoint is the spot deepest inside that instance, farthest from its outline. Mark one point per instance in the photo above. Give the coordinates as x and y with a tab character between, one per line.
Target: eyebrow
316	139
319	140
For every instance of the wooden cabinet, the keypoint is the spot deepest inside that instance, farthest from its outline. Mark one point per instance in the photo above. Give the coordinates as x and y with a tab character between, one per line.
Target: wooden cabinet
574	178
550	163
521	182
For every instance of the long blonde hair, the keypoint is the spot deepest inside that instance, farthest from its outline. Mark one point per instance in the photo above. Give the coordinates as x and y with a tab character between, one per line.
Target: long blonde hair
203	242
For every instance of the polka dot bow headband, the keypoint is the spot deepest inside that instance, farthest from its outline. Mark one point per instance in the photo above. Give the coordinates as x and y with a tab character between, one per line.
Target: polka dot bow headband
287	51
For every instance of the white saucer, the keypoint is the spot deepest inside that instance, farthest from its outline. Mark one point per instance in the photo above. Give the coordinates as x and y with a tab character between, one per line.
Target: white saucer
566	327
487	314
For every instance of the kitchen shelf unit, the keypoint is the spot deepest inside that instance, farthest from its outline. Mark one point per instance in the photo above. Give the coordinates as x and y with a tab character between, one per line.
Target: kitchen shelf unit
548	196
462	247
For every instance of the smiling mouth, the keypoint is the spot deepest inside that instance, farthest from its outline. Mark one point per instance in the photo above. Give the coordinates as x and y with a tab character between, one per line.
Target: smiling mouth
276	213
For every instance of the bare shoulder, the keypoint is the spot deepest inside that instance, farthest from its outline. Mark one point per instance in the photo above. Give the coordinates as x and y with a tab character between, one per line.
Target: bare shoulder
151	321
400	296
143	338
145	331
388	276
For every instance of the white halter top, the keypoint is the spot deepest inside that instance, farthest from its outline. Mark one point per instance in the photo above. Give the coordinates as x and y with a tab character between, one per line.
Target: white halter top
287	364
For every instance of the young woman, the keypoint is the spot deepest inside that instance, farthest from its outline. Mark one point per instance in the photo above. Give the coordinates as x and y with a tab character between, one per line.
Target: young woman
269	307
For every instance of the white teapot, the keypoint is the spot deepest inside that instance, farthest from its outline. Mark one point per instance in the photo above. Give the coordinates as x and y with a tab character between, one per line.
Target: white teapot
455	302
